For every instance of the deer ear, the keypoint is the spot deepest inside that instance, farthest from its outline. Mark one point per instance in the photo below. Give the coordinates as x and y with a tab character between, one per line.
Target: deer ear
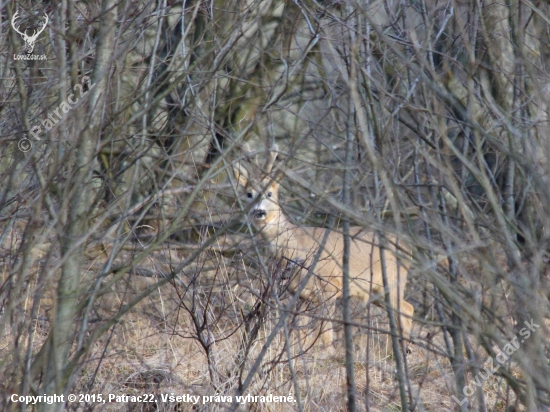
241	174
271	157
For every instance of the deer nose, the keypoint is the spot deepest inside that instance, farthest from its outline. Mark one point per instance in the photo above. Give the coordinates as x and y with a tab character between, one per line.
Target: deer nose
259	214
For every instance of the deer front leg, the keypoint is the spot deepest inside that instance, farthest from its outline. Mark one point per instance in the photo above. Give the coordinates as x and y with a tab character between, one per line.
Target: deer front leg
403	312
326	327
315	333
406	315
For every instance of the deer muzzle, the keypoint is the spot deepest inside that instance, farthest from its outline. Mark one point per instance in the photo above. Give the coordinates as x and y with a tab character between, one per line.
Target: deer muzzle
259	214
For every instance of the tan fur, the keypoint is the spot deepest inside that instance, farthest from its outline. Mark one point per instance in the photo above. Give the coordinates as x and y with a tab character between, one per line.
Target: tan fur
301	244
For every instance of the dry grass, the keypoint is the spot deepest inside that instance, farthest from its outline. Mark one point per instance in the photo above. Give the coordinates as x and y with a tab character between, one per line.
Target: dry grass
159	349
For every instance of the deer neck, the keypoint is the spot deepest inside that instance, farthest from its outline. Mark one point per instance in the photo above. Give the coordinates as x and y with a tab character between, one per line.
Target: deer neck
279	232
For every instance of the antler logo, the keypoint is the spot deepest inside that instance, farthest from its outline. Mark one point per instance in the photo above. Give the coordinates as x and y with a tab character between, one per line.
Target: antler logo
29	40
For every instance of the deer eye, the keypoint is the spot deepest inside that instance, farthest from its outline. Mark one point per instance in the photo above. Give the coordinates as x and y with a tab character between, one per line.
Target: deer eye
249	195
269	194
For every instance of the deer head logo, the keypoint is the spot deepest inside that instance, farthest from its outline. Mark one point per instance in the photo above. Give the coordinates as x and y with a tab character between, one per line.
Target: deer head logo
29	40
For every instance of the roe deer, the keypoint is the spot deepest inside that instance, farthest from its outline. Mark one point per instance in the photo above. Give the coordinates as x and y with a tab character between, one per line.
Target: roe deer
301	244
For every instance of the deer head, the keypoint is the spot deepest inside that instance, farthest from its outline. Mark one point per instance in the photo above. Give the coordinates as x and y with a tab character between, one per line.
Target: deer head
29	40
261	189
